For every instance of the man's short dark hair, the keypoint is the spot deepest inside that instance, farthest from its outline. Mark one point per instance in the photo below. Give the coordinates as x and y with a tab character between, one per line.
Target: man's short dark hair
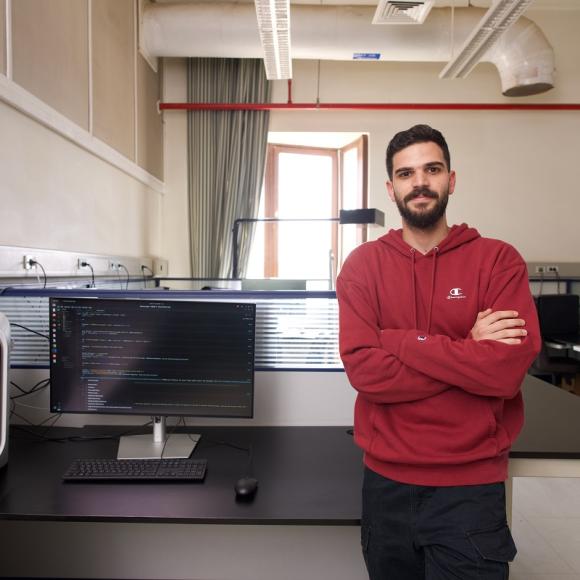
416	134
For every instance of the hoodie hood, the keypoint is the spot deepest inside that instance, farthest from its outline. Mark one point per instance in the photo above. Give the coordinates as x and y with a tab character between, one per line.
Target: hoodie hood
457	236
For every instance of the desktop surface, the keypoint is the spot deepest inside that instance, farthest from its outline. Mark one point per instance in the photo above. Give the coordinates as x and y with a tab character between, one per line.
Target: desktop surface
307	475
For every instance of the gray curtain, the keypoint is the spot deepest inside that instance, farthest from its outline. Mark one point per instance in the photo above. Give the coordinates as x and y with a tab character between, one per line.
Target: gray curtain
226	158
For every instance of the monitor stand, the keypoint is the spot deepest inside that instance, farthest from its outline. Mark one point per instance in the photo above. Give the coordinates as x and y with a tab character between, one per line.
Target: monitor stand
158	444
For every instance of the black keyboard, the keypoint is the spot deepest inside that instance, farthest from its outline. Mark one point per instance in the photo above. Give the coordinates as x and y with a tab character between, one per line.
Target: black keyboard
136	470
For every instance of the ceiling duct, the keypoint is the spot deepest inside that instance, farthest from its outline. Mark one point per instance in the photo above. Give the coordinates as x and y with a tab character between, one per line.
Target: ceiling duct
402	11
337	32
488	31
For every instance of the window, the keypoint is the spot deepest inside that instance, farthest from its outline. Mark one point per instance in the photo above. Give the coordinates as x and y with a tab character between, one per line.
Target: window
306	186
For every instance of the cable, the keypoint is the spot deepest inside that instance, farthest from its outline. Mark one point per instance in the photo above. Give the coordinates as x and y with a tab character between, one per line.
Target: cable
56	417
71	438
84	264
318	84
33	262
39	386
250	466
83	438
29	330
128	276
42	435
143	268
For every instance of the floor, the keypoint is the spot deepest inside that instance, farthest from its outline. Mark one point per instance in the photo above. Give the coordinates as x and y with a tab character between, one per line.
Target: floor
546	528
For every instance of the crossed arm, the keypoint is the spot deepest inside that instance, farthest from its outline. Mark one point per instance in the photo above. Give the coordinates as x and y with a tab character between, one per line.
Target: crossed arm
394	366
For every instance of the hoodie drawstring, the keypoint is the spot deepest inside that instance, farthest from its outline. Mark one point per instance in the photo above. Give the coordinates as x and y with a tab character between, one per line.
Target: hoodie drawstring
414	289
416	322
435	254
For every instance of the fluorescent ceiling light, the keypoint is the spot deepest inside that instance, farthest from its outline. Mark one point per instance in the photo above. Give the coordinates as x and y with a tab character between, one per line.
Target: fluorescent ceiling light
274	26
402	11
495	22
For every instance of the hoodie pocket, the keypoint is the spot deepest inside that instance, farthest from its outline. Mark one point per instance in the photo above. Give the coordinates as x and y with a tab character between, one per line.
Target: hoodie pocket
450	428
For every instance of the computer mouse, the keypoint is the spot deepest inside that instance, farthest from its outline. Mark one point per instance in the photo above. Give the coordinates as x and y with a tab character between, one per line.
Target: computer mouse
246	488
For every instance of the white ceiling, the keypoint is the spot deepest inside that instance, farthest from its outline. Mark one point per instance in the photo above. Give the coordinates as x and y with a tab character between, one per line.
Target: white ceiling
538	4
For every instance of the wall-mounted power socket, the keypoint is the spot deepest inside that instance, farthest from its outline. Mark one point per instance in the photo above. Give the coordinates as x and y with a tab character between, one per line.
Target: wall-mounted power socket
160	267
114	266
28	261
547	269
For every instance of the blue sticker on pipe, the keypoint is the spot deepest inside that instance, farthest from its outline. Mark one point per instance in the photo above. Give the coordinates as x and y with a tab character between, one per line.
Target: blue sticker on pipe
366	56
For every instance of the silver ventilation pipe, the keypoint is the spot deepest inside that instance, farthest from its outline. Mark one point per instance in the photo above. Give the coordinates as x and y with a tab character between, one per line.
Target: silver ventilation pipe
523	56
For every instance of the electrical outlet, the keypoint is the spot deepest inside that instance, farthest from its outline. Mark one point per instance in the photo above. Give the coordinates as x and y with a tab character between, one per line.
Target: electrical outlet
553	269
28	261
82	263
161	267
113	266
540	269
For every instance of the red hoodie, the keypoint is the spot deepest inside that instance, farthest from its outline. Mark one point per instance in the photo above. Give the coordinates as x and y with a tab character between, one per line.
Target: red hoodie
434	406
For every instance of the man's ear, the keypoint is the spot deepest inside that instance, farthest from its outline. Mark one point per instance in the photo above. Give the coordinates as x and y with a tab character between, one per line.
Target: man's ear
452	178
391	190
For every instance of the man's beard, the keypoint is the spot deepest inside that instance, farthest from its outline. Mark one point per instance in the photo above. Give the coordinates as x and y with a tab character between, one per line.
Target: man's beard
423	219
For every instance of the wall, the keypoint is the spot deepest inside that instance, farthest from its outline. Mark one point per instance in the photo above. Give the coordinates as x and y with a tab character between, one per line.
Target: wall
81	145
513	167
176	244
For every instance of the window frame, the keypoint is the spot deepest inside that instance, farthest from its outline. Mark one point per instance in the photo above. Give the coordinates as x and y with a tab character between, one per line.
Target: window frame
271	195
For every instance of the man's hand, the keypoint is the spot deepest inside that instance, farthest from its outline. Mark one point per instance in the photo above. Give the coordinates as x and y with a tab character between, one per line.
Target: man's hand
503	326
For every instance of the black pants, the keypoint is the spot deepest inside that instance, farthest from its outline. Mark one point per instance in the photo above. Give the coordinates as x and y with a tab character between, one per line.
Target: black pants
414	532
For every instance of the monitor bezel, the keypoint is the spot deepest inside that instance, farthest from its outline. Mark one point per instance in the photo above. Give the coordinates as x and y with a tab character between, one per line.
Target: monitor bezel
132	413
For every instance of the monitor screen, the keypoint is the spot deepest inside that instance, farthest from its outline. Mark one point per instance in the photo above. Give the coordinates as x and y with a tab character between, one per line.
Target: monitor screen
152	357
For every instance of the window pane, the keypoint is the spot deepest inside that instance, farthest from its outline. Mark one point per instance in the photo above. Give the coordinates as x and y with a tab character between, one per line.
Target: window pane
304	186
304	191
351	180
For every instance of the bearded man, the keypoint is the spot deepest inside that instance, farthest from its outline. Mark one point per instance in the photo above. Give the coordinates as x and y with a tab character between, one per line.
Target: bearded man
437	330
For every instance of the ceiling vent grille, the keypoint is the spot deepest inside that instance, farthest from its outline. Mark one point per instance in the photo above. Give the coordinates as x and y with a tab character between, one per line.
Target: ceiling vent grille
402	11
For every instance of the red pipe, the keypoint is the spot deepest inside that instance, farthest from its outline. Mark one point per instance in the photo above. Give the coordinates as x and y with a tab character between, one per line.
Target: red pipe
369	106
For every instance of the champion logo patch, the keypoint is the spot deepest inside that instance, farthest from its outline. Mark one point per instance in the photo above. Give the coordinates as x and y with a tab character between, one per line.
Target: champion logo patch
456	294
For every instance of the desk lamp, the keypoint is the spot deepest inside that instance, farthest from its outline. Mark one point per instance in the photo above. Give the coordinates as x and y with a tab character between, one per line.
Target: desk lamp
363	216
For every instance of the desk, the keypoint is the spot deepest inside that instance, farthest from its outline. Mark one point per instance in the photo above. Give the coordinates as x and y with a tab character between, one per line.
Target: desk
559	343
307	476
302	524
570	348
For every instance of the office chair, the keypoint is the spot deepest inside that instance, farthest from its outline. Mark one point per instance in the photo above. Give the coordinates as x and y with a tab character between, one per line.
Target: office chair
558	317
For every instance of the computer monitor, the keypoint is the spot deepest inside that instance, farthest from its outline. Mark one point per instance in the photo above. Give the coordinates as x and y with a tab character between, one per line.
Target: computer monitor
152	357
